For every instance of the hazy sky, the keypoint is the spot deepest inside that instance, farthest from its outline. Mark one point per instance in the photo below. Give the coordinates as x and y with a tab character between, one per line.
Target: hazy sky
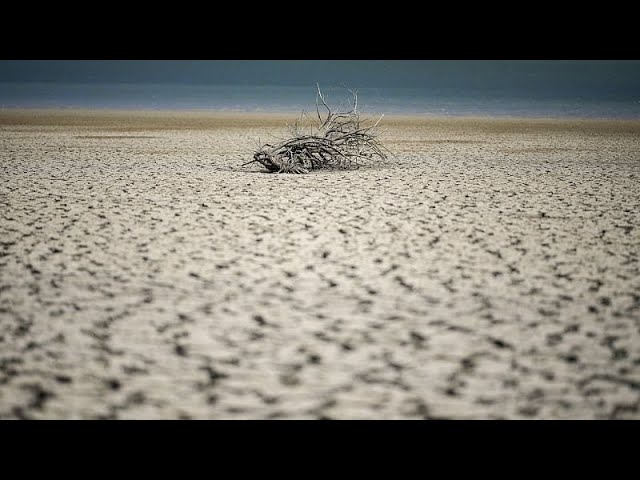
548	79
561	76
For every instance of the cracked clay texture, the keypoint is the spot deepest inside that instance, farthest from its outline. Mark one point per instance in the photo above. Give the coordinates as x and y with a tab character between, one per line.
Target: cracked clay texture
488	270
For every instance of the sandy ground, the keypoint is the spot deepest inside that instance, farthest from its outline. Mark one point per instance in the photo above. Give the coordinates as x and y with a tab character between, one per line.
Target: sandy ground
490	270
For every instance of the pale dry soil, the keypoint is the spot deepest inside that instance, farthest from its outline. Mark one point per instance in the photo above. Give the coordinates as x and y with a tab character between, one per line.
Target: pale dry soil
489	270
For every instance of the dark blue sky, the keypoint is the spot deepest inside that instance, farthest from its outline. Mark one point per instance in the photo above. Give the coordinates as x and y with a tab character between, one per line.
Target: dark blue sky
601	78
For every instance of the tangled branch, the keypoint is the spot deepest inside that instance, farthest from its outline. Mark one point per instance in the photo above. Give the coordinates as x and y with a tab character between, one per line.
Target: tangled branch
328	140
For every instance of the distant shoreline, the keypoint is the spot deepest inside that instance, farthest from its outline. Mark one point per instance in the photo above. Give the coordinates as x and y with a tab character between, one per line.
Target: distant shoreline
72	116
494	100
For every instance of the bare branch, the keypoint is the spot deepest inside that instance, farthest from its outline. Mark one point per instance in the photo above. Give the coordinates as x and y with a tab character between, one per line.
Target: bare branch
341	140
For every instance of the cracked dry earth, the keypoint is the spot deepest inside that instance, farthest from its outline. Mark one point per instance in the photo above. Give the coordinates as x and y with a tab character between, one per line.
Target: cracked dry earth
489	271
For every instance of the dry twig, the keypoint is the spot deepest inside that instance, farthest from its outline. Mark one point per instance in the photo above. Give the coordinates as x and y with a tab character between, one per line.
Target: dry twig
332	140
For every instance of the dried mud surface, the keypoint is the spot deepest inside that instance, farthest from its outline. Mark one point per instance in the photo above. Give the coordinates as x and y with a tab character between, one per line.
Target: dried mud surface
490	270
